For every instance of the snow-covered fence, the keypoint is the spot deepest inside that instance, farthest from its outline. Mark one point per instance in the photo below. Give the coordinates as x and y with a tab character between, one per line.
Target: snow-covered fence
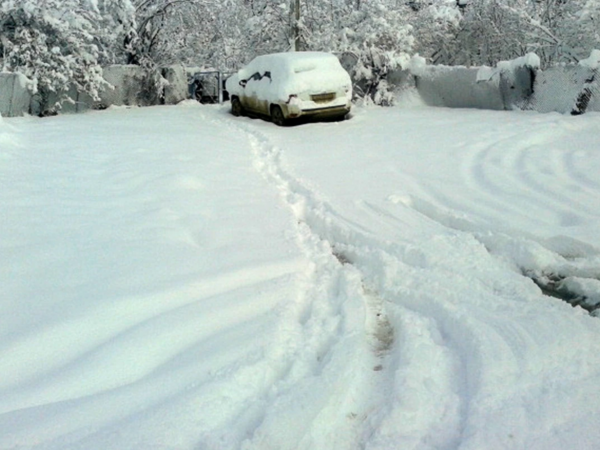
135	86
516	80
177	88
457	87
557	88
15	96
569	88
513	84
508	85
79	102
131	86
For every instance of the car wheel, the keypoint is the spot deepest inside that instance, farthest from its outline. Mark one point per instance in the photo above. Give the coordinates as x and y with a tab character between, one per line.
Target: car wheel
236	107
277	116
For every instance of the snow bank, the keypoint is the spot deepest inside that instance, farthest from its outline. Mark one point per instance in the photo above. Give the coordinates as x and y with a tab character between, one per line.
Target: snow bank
593	62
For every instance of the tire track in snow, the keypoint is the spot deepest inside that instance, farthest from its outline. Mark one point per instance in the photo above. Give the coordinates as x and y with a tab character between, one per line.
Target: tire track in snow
409	397
365	322
517	153
572	159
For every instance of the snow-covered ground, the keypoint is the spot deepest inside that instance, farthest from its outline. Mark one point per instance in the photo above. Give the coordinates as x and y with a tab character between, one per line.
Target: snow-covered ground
176	278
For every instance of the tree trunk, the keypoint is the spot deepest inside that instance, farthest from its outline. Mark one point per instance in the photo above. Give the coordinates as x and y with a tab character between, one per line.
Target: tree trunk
296	25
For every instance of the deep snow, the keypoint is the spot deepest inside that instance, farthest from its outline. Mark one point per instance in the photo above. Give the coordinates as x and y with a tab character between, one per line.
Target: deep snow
176	278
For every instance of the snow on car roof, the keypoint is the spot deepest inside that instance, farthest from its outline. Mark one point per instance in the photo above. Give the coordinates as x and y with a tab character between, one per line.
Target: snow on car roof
298	61
299	56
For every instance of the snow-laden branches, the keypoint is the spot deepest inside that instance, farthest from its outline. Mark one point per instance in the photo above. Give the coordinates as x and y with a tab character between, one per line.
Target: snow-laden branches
54	43
492	30
62	43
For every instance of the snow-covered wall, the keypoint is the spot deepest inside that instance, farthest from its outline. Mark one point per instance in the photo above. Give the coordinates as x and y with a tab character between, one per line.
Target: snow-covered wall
177	88
15	97
516	80
458	87
509	85
558	88
81	102
132	86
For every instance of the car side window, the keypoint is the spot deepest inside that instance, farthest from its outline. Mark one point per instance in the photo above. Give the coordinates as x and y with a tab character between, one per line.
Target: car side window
257	76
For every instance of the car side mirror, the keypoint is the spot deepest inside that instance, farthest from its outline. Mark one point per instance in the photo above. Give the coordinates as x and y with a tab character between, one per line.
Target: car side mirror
243	83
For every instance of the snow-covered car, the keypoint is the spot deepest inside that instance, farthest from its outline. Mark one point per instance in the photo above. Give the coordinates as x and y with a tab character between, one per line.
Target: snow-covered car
286	86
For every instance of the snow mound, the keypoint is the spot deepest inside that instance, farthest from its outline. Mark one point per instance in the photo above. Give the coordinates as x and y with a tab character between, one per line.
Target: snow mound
593	61
530	60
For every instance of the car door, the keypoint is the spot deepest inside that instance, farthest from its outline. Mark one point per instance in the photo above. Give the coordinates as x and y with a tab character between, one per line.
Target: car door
256	92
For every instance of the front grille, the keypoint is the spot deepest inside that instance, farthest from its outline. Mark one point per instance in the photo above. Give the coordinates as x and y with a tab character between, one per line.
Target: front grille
323	98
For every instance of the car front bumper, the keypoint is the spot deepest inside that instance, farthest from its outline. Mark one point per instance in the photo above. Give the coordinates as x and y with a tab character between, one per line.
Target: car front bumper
296	111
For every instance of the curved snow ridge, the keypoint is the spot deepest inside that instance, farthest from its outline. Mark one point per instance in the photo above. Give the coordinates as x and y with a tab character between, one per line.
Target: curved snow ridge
571	265
118	330
507	338
540	166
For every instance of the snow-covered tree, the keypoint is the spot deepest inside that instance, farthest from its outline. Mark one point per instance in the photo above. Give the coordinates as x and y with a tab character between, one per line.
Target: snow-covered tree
494	30
53	43
117	31
375	33
436	26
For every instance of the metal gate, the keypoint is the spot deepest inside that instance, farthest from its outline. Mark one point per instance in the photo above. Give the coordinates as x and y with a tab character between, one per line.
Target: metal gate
208	87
